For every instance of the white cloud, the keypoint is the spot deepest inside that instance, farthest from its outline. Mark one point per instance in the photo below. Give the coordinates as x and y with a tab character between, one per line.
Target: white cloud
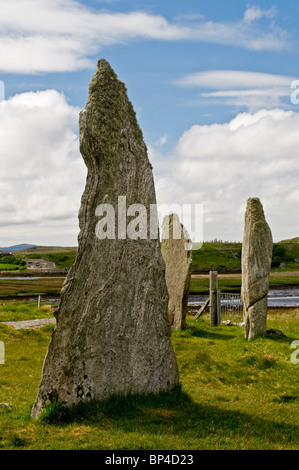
254	13
237	79
63	35
42	172
162	141
255	90
222	165
219	165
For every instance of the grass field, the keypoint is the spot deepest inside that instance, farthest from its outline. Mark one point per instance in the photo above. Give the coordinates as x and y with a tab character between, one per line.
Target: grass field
217	255
214	255
199	284
232	282
18	311
233	395
11	267
63	257
13	287
227	255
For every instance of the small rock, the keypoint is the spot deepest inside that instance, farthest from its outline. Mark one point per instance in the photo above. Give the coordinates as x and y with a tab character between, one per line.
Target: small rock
8	406
273	331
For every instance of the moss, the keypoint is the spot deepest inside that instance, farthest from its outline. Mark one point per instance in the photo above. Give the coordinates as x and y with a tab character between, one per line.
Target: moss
113	119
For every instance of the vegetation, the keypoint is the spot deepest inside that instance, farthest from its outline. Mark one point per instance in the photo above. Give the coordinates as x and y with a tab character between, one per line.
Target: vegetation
217	255
232	282
18	311
11	263
11	267
13	287
227	256
233	395
63	257
4	259
63	260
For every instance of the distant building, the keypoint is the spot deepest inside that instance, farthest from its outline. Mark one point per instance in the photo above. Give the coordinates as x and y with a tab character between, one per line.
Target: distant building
5	253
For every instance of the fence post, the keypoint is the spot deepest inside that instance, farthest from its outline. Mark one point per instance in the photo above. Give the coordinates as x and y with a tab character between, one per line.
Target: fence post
38	302
213	298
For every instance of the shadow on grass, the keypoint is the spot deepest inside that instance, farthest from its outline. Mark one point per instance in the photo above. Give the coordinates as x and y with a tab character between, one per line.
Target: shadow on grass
172	413
280	339
201	333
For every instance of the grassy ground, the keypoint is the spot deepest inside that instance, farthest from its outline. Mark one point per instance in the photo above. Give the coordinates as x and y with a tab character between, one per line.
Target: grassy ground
18	311
199	283
227	255
11	286
234	395
217	255
212	255
63	257
11	267
232	282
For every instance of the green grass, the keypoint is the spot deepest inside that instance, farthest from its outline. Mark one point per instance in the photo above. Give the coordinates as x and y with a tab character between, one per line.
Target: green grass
13	287
232	282
212	255
18	311
63	257
62	260
11	267
227	256
233	394
200	284
217	255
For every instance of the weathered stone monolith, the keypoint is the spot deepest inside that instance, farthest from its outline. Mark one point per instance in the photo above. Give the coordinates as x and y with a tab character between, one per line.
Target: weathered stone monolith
256	264
112	334
176	250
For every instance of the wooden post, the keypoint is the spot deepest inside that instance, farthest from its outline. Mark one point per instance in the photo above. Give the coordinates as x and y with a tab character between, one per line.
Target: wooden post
213	298
38	302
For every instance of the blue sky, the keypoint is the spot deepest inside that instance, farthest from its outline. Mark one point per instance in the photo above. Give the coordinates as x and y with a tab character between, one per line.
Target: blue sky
210	82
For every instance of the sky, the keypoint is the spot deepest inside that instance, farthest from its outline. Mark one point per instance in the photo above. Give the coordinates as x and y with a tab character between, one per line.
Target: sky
215	86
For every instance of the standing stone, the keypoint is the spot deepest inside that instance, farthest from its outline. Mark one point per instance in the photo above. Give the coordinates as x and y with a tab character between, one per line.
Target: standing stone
112	334
256	264
177	254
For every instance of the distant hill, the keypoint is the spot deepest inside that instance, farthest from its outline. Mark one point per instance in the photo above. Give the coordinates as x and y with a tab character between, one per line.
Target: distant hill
22	247
291	240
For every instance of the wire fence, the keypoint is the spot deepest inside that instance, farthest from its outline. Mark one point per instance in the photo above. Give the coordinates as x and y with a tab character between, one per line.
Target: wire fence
231	307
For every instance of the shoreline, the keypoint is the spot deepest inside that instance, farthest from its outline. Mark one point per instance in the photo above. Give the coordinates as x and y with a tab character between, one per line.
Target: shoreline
238	291
35	273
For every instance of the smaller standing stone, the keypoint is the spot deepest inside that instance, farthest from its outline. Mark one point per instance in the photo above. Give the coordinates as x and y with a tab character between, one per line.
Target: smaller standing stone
7	406
256	264
177	253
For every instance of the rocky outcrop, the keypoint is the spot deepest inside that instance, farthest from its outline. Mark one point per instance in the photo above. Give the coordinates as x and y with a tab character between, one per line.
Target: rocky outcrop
177	254
112	334
256	264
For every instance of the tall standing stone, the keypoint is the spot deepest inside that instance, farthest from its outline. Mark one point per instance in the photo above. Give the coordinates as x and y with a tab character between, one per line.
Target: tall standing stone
256	264
177	253
112	334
